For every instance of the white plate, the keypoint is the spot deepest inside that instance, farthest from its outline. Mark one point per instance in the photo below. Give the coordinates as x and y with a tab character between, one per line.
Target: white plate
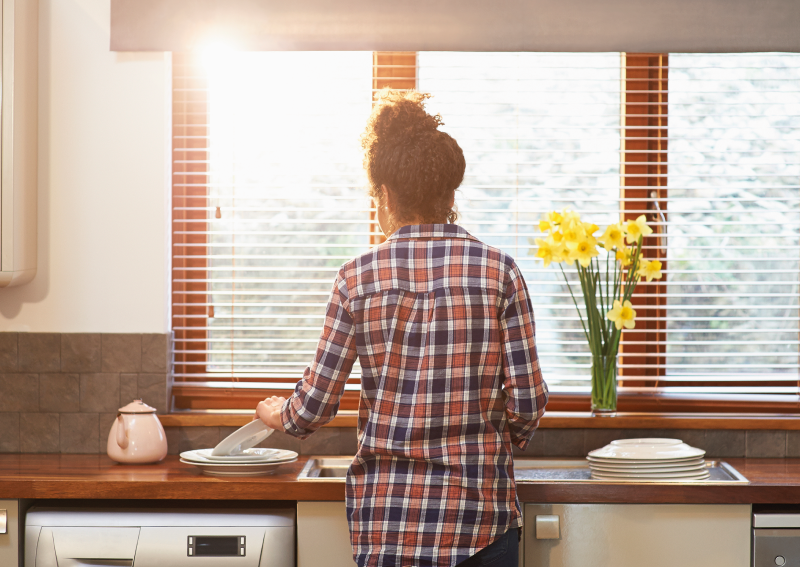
638	463
249	456
649	470
243	438
238	469
280	455
640	480
660	441
655	475
647	450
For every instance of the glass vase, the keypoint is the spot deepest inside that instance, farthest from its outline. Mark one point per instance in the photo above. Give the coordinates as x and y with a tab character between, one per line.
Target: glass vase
604	385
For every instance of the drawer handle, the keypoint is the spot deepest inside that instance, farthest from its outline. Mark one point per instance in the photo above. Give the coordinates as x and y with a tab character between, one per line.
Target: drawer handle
547	527
3	521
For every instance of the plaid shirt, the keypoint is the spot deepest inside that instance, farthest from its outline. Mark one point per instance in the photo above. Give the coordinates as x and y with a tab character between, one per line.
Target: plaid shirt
443	327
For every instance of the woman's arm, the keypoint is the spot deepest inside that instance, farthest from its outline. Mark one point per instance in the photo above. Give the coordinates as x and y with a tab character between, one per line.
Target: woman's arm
524	387
316	397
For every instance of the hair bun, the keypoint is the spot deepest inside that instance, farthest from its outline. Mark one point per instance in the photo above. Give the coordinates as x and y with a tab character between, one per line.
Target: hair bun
403	114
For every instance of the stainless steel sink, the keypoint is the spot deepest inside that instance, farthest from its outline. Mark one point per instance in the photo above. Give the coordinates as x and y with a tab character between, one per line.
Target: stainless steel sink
324	468
525	470
577	470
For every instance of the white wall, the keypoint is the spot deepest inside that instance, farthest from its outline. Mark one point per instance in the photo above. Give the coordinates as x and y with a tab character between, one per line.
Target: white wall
103	182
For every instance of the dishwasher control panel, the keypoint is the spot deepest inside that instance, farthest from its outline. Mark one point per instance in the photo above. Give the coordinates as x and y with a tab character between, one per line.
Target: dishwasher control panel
216	546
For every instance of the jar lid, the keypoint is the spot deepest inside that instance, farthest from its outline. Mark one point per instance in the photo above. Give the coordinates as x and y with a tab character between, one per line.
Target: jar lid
137	406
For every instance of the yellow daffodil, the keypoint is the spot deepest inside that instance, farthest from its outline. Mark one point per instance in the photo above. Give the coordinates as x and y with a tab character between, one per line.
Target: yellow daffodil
584	251
557	246
590	228
570	217
637	228
650	270
613	237
624	256
573	235
622	315
545	251
550	221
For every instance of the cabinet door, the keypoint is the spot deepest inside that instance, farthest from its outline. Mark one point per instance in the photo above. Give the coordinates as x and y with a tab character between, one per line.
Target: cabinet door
323	536
627	535
9	536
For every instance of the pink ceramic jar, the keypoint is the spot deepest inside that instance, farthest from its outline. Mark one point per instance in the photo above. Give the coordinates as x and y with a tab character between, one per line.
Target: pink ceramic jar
137	435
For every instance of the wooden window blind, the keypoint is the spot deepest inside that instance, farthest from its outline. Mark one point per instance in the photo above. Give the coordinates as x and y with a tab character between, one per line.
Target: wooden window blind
705	145
540	132
732	236
394	70
276	203
190	213
643	174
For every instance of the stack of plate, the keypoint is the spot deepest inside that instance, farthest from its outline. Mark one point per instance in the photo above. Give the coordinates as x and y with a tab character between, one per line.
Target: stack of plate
234	456
648	460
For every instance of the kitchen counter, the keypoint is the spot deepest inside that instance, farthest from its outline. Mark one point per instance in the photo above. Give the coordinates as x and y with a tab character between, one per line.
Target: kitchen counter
55	476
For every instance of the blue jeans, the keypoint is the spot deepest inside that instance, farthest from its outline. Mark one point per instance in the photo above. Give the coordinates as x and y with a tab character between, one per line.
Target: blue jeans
504	552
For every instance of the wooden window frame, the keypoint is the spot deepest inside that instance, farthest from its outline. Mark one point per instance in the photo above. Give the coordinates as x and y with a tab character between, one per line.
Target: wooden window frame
643	177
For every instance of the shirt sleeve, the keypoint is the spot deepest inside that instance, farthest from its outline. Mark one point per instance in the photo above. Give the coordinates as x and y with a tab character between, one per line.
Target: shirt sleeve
525	389
316	397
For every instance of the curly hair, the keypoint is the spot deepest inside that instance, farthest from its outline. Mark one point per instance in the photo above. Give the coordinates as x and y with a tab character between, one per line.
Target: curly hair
405	150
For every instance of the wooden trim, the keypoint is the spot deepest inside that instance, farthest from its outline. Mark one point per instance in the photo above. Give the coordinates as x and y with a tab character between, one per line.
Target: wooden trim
655	402
345	418
201	398
644	116
551	420
649	420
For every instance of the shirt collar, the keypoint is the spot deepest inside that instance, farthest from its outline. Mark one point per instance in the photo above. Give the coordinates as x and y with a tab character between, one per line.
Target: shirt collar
431	231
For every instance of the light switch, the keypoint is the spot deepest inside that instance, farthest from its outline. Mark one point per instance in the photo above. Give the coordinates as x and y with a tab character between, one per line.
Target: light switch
547	527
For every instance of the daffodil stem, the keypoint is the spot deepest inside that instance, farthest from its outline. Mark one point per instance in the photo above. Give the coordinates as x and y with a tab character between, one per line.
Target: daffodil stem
601	312
569	287
608	290
588	297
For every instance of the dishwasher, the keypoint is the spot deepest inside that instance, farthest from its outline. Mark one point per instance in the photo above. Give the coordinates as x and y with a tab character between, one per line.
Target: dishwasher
118	537
776	537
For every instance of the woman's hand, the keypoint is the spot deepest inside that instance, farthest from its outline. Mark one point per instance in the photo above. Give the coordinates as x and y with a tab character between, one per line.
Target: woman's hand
269	411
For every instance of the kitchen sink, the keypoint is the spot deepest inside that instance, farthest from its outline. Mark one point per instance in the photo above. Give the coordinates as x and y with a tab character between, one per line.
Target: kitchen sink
525	470
325	468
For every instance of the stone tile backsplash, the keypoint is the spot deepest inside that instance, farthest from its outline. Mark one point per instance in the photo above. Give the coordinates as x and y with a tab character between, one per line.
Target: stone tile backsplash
717	442
59	393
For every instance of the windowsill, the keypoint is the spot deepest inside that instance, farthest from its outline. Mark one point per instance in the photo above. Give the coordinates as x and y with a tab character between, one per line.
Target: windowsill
552	420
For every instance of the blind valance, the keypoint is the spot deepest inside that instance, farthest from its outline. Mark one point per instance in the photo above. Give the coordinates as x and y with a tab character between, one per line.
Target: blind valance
458	25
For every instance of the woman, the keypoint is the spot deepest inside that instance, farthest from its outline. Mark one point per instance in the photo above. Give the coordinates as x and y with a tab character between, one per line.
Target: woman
443	328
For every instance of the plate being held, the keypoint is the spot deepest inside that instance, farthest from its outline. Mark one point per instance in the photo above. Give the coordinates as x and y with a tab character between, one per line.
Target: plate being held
242	439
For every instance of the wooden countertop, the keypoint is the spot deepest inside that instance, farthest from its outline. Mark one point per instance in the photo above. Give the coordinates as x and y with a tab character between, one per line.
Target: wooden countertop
772	481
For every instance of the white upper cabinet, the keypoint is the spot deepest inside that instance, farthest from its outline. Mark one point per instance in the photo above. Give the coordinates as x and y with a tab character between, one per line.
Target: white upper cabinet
18	142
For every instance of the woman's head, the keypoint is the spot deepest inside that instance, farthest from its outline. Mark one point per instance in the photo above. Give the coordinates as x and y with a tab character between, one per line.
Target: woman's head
419	165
